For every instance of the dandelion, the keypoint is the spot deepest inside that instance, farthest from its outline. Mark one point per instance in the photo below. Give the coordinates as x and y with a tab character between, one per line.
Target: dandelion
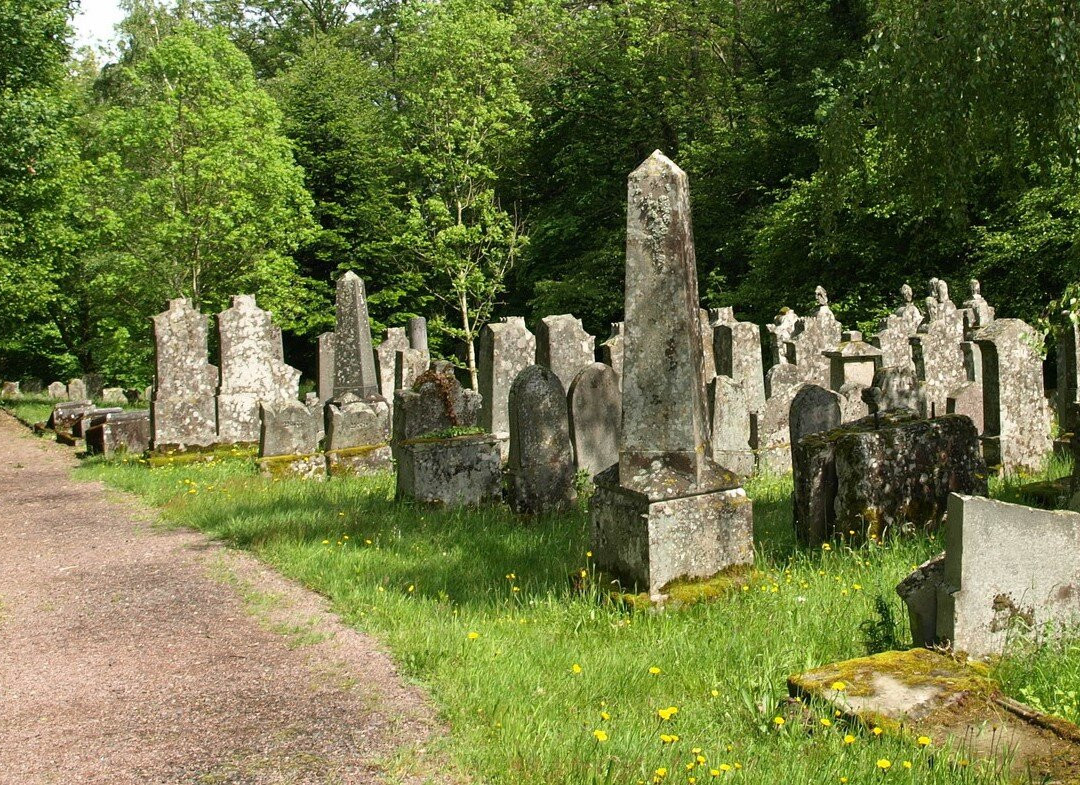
575	668
849	739
668	738
716	693
668	713
884	764
412	587
605	716
877	731
907	764
473	636
826	547
778	721
326	542
600	735
588	554
826	721
714	772
839	686
655	671
924	741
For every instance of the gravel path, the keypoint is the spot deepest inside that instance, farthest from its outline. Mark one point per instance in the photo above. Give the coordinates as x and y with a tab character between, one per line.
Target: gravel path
132	654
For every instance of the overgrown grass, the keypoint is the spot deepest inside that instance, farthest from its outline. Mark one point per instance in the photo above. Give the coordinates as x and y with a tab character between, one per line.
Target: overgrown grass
487	610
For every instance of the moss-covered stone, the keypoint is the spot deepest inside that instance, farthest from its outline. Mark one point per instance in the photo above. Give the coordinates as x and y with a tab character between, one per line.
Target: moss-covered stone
174	457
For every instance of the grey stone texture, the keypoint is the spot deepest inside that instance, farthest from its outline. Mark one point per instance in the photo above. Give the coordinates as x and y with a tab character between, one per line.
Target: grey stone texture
10	390
968	400
465	471
76	390
325	370
611	350
896	330
780	332
937	350
289	441
65	415
666	511
707	355
354	356
386	361
80	426
352	422
919	591
883	476
183	412
95	385
1007	566
540	472
854	360
899	389
1068	376
113	395
736	347
435	402
853	401
1016	414
814	410
978	312
594	404
812	337
118	432
563	346
730	443
770	433
418	335
58	391
506	349
253	370
409	364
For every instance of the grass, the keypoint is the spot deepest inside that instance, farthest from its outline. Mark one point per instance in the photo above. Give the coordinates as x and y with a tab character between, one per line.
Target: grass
531	670
37	408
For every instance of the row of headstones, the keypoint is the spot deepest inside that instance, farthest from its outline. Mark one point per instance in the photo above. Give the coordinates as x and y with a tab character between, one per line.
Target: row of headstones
89	386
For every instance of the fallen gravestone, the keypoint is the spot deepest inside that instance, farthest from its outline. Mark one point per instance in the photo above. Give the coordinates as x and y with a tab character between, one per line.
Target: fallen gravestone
125	432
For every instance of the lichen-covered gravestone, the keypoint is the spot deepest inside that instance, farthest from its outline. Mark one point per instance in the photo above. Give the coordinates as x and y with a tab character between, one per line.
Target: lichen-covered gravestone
10	390
595	409
183	413
253	370
811	338
611	350
771	436
937	349
325	371
113	395
813	410
76	390
666	511
737	348
1016	415
118	432
356	438
540	472
58	391
730	431
895	332
506	349
899	389
65	415
289	441
386	360
563	346
435	465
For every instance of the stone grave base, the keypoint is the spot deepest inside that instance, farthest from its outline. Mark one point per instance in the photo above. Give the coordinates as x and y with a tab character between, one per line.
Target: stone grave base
69	439
651	543
175	455
359	461
123	433
924	693
464	471
305	467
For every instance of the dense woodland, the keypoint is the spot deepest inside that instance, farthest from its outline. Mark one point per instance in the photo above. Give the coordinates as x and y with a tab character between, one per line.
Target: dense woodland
468	158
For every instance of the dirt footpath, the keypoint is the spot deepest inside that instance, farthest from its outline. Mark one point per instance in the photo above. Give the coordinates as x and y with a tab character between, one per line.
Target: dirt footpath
130	654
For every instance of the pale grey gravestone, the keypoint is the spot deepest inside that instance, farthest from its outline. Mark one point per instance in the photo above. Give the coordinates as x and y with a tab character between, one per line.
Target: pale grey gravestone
95	384
937	349
1068	374
594	401
325	371
853	403
385	360
118	432
289	441
76	390
506	349
968	400
919	591
540	471
354	355
707	345
10	390
356	437
418	335
737	348
409	364
666	511
563	346
58	391
253	370
780	332
770	432
814	410
611	350
899	389
1016	414
182	411
65	415
113	395
315	406
435	467
896	330
812	337
1008	569
730	443
977	314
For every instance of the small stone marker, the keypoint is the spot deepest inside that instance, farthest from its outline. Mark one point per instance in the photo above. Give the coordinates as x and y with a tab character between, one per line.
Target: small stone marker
325	383
737	347
58	391
730	444
10	390
182	412
76	390
289	441
418	336
506	349
611	350
595	412
563	346
118	432
354	356
113	395
540	472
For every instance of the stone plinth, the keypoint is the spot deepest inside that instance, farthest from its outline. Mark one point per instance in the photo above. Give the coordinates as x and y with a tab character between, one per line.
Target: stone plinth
360	461
853	361
463	471
122	432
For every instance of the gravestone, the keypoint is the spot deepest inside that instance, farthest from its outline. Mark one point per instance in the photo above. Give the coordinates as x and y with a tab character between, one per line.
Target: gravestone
408	365
853	361
506	349
899	389
434	403
611	350
595	412
666	511
1016	433
253	370
978	312
113	395
76	390
311	401
563	346
58	391
770	432
896	330
183	413
730	441
289	441
937	350
65	415
968	400
418	336
325	371
811	338
354	356
540	472
113	433
386	361
32	386
814	411
780	333
80	426
1068	375
10	390
737	347
356	437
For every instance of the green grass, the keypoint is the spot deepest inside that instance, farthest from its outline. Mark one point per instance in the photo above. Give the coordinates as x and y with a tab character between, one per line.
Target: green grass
37	408
481	607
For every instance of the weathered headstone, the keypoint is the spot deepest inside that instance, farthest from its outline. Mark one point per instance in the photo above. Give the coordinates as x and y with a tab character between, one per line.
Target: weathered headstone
506	349
356	437
95	384
968	400
58	391
730	444
937	350
289	441
780	332
80	426
325	371
182	412
434	403
65	415
408	365
354	356
563	346
418	336
666	511
737	347
113	395
814	411
1016	415
811	338
10	390
253	370
899	389
770	433
540	472
118	432
595	410
76	390
896	330
611	350
386	360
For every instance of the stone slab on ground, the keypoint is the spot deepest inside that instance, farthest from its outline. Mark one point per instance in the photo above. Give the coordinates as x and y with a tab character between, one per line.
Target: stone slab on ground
924	693
157	671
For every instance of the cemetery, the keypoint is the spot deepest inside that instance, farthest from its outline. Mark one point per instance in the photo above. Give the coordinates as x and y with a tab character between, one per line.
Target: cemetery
698	549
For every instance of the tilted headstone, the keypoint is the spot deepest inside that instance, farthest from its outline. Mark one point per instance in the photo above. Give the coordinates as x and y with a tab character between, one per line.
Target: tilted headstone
113	395
65	415
667	510
563	346
76	390
506	349
386	360
540	472
595	410
770	432
611	350
289	441
10	390
183	411
730	444
325	371
1016	414
253	370
58	391
354	356
937	350
737	348
418	336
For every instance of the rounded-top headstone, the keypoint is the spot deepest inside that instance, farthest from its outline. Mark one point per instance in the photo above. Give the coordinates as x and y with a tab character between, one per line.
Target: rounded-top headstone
813	410
541	468
595	406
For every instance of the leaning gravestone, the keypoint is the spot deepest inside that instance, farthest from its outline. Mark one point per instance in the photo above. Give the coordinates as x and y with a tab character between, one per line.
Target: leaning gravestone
595	409
611	350
253	370
76	390
666	511
439	459
182	411
58	391
937	349
1016	415
325	372
730	441
563	346
506	349
540	472
289	441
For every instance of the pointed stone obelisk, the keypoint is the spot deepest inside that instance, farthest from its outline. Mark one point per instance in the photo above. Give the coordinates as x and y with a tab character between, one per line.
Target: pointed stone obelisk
697	518
354	355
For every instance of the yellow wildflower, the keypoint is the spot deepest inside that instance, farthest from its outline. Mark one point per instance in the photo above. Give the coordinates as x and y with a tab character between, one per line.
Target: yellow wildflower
884	764
473	636
600	735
